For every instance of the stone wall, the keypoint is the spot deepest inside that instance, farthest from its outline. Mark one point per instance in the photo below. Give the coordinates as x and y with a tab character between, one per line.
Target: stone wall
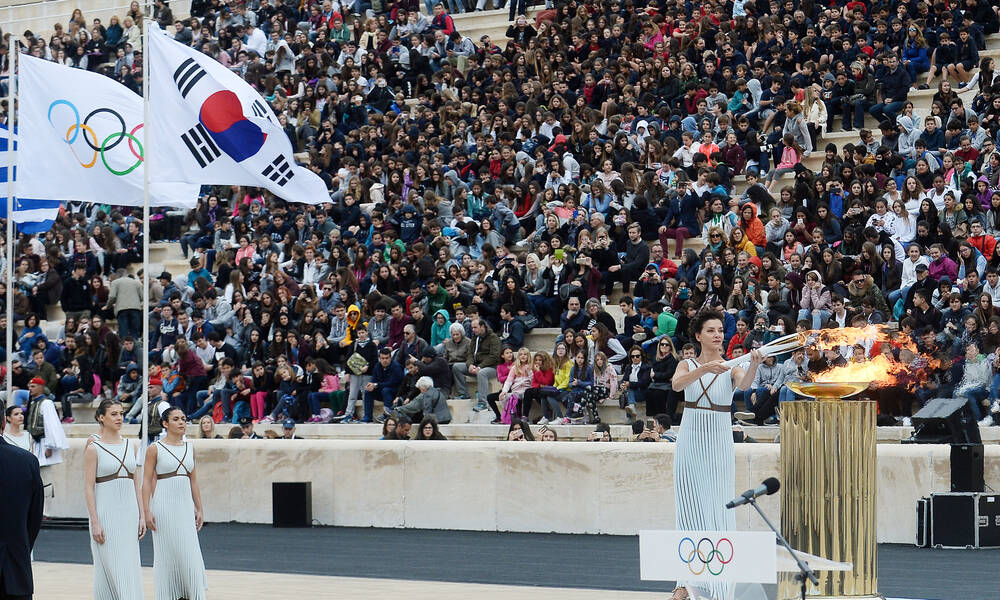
616	488
17	16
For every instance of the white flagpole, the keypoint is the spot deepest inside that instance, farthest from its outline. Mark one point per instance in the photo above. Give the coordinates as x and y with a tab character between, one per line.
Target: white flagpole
146	276
11	165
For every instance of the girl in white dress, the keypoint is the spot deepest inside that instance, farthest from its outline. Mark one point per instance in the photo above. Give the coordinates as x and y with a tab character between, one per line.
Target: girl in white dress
117	522
13	433
172	500
704	461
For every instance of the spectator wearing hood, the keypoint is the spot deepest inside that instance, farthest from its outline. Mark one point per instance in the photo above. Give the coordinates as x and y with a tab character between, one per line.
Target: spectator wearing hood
862	287
650	285
409	224
440	328
129	390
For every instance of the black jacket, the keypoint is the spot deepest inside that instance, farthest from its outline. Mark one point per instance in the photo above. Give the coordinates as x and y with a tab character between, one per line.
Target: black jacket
895	84
20	519
512	333
663	370
75	297
439	371
644	375
370	353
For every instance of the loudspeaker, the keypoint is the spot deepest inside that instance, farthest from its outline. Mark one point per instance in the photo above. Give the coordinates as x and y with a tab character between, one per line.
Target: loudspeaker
291	504
967	468
945	421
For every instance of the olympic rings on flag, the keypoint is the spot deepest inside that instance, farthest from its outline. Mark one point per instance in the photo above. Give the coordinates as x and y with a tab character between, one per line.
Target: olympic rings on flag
75	129
121	136
710	555
91	138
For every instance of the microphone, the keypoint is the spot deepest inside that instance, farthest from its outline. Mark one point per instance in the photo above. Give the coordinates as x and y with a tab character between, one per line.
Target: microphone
768	487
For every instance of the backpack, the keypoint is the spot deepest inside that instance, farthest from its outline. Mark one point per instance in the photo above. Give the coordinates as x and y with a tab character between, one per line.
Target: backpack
36	422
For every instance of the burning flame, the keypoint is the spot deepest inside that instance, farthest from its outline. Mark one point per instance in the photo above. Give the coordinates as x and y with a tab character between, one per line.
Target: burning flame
879	370
901	367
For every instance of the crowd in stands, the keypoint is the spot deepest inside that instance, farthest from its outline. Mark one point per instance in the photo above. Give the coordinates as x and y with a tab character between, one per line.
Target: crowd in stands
653	158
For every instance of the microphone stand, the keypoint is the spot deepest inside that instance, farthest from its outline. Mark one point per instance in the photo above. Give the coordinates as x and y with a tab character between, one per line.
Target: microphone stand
805	573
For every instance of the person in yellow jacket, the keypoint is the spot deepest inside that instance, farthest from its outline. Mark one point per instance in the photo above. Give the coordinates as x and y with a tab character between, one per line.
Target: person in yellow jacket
353	320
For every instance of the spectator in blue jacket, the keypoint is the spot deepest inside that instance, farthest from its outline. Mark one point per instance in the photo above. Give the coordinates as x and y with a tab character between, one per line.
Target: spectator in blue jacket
504	220
895	82
916	59
409	224
681	221
386	377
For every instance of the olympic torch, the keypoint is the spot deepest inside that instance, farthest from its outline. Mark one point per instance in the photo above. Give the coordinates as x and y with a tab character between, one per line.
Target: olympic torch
782	345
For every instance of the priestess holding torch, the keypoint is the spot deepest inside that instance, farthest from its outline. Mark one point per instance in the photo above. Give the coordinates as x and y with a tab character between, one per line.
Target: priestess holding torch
704	461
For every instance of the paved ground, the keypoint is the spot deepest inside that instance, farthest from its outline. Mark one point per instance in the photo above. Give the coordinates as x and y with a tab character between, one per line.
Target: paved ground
547	560
61	581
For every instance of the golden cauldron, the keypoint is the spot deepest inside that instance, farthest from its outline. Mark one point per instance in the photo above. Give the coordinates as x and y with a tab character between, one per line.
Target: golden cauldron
828	469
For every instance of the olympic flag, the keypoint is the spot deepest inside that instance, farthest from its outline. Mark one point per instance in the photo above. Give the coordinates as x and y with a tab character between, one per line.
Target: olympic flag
211	127
80	138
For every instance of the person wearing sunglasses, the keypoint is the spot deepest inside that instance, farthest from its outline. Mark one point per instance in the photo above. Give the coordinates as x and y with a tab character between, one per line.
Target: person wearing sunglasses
635	380
660	398
916	56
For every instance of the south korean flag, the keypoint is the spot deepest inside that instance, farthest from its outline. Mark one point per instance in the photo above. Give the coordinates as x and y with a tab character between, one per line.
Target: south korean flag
208	126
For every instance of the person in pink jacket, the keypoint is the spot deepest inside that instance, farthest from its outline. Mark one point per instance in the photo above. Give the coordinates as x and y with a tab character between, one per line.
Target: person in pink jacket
790	156
941	265
815	301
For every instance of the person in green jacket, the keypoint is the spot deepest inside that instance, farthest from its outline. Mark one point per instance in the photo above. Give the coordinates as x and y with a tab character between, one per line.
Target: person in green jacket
339	32
437	298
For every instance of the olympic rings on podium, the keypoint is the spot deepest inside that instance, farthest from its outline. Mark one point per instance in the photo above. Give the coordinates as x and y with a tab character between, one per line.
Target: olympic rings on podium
708	554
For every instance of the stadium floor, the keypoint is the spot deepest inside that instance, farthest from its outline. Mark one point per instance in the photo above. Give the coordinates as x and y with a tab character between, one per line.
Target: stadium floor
492	560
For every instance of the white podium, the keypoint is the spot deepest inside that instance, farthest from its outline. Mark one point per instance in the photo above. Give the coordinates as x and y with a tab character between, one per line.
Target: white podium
722	565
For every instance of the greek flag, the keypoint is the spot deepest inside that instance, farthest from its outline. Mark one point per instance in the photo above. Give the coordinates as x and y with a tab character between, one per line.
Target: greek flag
31	216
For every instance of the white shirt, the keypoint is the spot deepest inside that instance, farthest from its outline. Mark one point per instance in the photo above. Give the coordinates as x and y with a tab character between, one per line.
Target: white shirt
686	153
904	231
909	276
938	199
257	42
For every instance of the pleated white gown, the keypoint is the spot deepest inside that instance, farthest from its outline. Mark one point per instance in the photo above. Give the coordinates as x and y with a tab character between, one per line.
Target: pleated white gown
705	463
117	574
178	568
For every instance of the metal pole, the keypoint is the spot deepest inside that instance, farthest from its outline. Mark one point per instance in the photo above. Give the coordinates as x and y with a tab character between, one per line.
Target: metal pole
11	165
146	279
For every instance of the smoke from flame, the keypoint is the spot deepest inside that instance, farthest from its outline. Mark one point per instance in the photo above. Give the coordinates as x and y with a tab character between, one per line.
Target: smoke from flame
881	367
